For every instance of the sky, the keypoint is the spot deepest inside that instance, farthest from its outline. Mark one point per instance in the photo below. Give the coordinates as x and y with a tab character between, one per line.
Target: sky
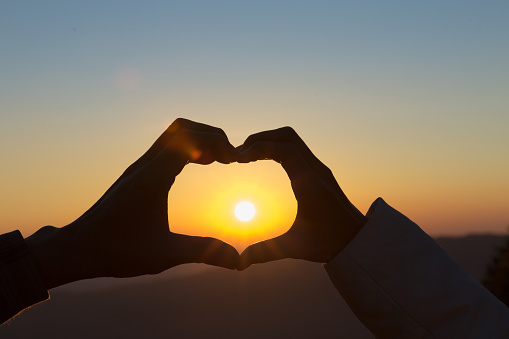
404	100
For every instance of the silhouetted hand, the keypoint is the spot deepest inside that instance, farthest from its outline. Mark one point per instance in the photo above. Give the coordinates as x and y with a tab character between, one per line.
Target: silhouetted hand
126	233
326	221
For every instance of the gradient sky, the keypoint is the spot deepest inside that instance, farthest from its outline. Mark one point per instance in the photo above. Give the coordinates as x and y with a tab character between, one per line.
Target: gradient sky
407	100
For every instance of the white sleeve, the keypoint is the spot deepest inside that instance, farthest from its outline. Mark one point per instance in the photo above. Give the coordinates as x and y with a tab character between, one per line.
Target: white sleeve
401	284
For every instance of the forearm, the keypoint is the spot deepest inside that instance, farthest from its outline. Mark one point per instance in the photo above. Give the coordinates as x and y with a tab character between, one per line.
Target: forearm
46	245
61	259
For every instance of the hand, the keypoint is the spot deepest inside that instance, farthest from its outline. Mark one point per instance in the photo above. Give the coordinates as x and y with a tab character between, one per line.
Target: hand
126	232
326	221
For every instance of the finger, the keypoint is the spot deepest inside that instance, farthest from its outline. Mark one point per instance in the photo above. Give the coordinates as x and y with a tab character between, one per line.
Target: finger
287	154
281	247
202	147
204	250
190	146
286	134
161	142
205	148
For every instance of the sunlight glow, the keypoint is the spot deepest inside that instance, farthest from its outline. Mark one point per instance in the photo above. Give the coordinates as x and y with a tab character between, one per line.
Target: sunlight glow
218	189
245	211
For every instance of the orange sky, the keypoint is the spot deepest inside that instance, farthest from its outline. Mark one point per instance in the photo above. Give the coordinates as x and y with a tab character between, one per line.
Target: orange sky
53	182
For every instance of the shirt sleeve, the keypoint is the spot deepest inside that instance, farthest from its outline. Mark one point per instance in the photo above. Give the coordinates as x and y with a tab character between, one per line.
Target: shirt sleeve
401	284
21	284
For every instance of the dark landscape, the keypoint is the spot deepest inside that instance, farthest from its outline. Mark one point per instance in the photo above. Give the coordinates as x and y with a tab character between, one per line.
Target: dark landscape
284	299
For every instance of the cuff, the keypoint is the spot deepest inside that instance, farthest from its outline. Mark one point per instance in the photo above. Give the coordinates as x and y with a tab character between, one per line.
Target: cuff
401	284
364	273
21	283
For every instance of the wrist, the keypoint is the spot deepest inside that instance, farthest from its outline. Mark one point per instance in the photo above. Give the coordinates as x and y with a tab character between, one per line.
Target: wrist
352	221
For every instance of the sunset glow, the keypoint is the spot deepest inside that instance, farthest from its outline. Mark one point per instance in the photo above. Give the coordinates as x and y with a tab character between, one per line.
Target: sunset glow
229	196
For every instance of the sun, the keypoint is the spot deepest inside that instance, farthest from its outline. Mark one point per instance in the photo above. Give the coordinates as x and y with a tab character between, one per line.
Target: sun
245	211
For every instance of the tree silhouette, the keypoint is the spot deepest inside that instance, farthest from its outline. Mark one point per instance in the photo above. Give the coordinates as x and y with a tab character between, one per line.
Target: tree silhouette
497	274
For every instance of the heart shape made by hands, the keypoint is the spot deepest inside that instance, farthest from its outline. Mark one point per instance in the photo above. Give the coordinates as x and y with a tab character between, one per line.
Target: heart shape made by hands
203	199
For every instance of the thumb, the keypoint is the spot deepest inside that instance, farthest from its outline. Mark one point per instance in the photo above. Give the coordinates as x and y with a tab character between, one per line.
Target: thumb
205	250
269	250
